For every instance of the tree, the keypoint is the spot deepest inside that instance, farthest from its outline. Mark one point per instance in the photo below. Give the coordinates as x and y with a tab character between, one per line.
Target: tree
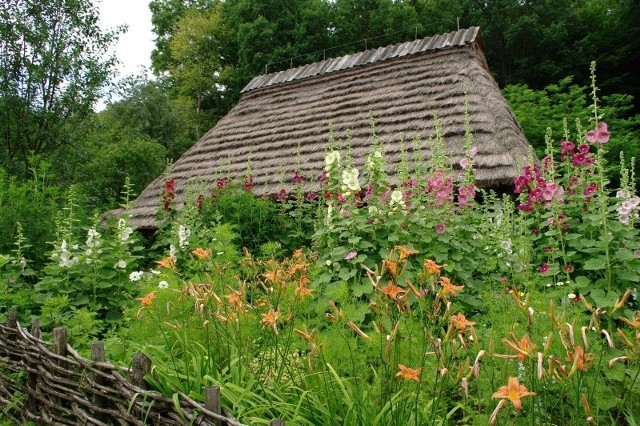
53	65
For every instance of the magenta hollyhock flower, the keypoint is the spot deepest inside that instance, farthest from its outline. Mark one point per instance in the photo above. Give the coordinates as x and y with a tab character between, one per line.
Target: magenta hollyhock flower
525	207
351	255
282	195
590	189
600	134
544	268
440	228
342	198
311	196
297	177
248	182
568	267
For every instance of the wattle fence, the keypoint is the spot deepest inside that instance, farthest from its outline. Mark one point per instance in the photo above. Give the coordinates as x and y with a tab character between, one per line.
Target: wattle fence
49	383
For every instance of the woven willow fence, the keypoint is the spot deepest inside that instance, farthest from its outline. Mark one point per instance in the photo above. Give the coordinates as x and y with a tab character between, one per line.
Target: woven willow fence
49	383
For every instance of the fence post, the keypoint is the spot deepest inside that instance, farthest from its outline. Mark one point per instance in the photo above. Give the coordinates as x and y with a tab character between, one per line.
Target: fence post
141	367
97	355
60	341
12	320
212	402
32	379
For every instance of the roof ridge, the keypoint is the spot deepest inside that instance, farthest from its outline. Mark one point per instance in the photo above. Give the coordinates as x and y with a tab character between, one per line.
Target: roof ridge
436	42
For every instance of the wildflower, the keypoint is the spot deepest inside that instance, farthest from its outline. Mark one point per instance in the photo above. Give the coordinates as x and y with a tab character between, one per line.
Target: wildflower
92	238
431	267
390	266
202	254
590	189
396	197
448	287
580	359
163	284
332	157
168	262
136	275
271	319
350	179
124	231
392	290
513	391
183	236
147	300
168	192
440	228
282	195
351	255
408	373
524	347
460	322
235	298
121	264
600	134
248	182
404	252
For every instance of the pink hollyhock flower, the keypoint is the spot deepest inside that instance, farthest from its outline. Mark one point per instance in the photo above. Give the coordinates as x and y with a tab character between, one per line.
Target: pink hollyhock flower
342	198
473	151
544	268
297	177
600	134
311	196
351	255
590	189
465	164
440	228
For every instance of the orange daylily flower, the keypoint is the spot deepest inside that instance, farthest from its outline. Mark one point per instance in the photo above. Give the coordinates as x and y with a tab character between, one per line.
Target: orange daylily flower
580	359
168	262
202	254
392	290
271	319
524	347
147	300
274	276
460	322
303	291
431	267
448	287
404	252
513	391
408	373
391	266
235	298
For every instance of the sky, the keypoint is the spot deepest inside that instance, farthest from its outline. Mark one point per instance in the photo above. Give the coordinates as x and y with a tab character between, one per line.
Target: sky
135	46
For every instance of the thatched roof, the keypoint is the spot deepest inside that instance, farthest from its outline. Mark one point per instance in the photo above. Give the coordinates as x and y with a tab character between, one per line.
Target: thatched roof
282	121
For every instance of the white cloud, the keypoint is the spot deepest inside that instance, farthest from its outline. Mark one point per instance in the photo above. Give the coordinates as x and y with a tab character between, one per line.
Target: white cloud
135	46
